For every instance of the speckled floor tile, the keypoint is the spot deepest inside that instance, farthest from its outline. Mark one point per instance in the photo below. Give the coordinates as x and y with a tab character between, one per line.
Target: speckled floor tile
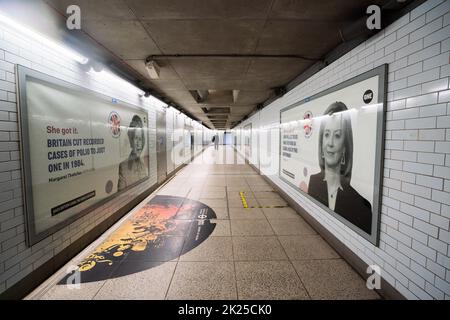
239	188
218	203
221	213
258	249
203	281
214	195
267	195
256	188
86	291
269	280
251	228
246	214
212	249
280	213
222	229
307	247
332	279
151	284
291	227
272	202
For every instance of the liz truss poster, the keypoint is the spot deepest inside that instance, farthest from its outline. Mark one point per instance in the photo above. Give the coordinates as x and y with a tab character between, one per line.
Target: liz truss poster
331	150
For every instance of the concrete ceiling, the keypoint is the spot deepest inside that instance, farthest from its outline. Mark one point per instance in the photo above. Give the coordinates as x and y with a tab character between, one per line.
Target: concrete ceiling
250	46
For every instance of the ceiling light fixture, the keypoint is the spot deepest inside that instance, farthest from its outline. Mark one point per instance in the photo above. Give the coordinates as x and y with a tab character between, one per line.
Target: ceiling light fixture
152	69
29	33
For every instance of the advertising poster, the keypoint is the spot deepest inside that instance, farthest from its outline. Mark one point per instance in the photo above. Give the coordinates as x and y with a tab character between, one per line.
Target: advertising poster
82	149
248	141
179	140
331	149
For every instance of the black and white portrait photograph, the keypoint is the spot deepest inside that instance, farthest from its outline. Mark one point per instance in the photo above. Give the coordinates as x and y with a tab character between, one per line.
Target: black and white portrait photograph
134	169
331	186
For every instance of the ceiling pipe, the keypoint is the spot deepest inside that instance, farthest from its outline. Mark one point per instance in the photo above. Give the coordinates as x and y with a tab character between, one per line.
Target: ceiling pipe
251	56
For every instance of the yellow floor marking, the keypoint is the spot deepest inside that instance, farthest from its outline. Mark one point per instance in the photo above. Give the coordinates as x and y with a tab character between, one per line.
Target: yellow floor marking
244	201
267	207
245	204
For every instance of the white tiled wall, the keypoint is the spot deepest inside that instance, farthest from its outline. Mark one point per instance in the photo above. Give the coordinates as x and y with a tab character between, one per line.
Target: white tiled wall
178	148
16	259
198	138
414	248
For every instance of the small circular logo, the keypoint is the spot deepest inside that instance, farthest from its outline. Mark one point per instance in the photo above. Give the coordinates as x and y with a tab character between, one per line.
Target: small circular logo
307	123
109	187
368	96
114	124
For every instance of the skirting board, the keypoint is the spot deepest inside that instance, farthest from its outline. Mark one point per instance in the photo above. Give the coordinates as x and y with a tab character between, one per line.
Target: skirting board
387	291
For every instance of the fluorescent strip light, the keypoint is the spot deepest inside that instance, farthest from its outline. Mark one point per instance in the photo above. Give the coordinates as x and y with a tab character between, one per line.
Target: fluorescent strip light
68	52
42	39
106	76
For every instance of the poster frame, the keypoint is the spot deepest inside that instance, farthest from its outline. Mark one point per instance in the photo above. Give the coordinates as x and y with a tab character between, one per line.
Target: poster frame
382	73
22	73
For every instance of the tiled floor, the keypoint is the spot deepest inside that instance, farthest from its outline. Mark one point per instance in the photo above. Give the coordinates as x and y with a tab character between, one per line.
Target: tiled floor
257	253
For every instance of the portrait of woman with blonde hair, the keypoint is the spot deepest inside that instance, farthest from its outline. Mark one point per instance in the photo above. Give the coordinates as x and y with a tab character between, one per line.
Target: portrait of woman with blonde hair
332	185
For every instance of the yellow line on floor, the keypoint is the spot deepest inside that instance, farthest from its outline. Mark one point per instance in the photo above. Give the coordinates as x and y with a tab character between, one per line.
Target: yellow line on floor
267	207
244	201
245	204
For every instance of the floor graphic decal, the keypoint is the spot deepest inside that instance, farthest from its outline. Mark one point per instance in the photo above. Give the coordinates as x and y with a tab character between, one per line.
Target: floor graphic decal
162	230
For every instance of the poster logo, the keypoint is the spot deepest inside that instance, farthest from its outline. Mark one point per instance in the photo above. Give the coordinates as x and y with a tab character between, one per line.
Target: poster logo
307	123
368	96
109	187
114	124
